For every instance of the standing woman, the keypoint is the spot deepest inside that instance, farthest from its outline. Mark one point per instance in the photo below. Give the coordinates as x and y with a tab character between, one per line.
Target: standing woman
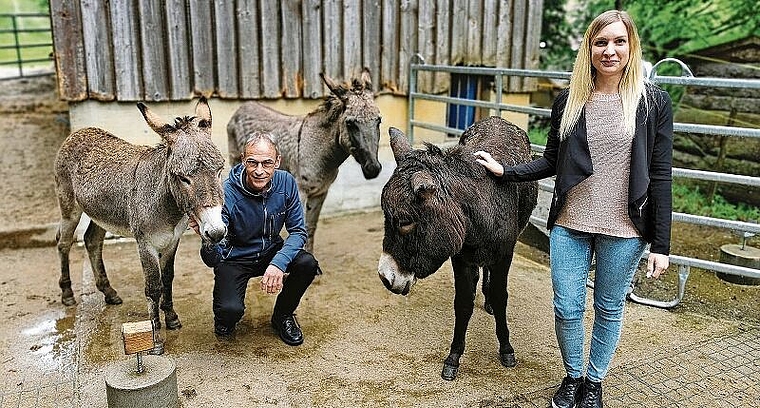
610	146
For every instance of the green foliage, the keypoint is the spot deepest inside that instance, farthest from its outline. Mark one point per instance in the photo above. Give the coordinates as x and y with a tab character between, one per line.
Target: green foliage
556	32
24	6
675	28
538	135
672	28
689	198
25	38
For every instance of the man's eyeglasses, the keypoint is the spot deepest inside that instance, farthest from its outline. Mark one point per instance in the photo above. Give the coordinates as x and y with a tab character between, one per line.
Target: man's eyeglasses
266	164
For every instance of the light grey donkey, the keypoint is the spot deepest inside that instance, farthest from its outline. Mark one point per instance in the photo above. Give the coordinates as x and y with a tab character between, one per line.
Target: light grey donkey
313	146
140	191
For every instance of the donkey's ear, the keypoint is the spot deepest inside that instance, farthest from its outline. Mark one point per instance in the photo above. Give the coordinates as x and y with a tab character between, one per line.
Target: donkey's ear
155	122
367	79
334	87
399	143
203	112
423	184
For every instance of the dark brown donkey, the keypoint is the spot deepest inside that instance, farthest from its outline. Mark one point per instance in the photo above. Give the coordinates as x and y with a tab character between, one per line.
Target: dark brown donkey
140	191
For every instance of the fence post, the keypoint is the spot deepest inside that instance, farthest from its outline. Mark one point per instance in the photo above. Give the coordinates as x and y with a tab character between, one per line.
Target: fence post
499	86
18	46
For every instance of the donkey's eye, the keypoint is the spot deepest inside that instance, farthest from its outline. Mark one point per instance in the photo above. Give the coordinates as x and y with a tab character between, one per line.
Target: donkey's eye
184	179
406	227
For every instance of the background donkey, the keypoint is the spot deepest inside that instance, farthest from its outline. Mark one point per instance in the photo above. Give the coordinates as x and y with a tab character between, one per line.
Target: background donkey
140	191
315	145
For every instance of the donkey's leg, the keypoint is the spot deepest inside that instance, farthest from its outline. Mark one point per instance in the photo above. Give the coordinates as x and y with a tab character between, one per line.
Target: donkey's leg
70	215
499	295
485	286
93	241
312	208
149	259
465	283
167	277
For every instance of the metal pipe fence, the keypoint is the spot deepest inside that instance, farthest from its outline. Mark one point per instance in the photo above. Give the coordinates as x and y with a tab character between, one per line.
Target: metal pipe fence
13	36
687	78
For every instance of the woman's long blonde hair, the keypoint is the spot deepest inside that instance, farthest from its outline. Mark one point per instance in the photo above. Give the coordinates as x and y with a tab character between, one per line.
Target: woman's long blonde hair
631	86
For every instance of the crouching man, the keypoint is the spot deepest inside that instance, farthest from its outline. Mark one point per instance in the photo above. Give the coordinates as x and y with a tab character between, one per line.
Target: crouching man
259	199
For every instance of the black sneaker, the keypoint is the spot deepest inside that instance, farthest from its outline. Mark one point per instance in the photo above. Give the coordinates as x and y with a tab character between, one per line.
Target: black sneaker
592	395
569	393
223	331
287	328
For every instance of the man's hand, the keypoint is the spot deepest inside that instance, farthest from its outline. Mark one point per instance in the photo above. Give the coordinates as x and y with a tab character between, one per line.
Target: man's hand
194	225
271	282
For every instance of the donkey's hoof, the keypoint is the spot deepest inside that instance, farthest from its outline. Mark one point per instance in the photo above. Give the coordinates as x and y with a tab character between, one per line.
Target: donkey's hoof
113	299
173	324
68	301
449	372
508	359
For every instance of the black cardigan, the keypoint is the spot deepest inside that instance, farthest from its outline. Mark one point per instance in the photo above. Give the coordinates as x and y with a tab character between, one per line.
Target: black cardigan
649	188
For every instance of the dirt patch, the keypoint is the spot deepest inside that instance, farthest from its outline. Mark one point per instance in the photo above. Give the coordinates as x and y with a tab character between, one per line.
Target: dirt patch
36	122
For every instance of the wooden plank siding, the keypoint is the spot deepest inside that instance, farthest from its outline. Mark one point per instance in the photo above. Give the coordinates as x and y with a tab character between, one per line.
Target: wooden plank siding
202	46
390	47
154	61
126	48
70	66
98	50
249	49
371	29
312	48
131	50
178	50
352	39
226	48
291	62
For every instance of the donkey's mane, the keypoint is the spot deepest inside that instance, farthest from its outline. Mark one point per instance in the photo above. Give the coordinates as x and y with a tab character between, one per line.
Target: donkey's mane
183	121
333	106
431	157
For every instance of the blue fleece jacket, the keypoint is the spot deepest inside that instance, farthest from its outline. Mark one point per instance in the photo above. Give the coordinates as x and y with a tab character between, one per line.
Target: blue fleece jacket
254	221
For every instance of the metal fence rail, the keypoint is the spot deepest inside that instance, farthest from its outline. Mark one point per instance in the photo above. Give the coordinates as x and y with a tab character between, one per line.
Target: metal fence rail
16	31
687	78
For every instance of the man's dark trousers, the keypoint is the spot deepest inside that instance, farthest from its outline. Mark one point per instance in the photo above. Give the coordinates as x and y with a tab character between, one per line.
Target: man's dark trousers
231	281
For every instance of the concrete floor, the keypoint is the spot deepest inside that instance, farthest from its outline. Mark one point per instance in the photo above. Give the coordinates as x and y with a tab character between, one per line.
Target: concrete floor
364	346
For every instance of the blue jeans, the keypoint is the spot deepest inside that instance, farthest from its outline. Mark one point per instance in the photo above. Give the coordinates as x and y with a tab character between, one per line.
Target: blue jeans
570	254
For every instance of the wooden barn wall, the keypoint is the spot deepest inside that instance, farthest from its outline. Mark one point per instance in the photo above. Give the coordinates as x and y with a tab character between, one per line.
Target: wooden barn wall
160	50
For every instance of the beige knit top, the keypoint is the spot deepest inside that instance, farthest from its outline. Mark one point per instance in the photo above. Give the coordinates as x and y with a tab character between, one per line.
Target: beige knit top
599	204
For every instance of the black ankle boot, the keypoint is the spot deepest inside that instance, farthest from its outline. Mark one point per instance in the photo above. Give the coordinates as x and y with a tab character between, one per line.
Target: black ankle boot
569	393
592	395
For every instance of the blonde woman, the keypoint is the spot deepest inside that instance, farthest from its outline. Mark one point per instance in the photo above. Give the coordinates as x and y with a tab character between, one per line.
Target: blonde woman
610	147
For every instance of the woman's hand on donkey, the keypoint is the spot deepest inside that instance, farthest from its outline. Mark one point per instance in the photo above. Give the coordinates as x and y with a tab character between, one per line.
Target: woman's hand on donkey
485	159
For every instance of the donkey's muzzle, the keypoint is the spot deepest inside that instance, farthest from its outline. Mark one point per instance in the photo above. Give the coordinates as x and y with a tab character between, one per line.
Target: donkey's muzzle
371	169
215	234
